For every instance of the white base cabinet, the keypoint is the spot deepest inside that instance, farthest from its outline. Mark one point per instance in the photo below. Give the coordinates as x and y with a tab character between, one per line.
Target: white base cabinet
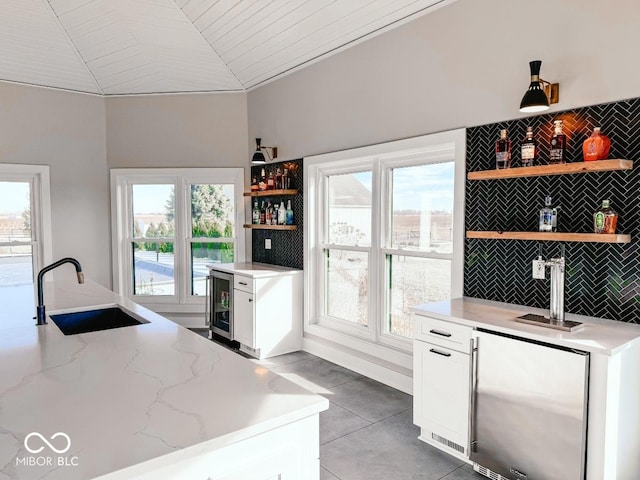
267	314
441	397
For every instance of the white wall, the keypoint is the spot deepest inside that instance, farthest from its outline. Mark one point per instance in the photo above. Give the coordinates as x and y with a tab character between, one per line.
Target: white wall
67	132
465	64
198	130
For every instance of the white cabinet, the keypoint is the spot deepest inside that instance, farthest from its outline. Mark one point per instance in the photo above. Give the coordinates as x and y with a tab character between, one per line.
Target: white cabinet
244	315
441	392
267	313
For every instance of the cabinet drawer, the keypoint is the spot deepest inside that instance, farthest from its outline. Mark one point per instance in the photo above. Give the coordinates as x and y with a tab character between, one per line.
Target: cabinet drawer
439	332
243	283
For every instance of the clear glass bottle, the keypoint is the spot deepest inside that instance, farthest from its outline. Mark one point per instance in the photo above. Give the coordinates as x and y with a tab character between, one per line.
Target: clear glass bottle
262	184
605	219
286	179
278	179
529	149
288	214
271	182
281	213
503	151
558	144
263	214
269	213
548	217
255	213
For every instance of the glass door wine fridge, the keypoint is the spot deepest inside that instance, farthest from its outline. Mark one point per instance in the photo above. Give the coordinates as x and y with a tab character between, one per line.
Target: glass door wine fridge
220	304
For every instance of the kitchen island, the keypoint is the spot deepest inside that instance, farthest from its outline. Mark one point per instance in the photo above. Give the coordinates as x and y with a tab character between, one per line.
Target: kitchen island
147	401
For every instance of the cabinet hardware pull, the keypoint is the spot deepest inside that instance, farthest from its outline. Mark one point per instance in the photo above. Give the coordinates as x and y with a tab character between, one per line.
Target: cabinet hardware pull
242	283
444	354
251	299
439	332
473	379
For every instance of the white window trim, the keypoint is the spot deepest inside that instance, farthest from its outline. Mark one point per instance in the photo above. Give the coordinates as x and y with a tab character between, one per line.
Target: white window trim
121	179
346	335
38	178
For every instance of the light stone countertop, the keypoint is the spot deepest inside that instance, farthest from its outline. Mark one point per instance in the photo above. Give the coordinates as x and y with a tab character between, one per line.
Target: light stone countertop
254	270
134	398
598	335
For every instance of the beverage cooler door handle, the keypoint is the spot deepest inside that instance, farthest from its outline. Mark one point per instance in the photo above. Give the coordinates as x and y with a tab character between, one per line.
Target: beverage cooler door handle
473	378
207	300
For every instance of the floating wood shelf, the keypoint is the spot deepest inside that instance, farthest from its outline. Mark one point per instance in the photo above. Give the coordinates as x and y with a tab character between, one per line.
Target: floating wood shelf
270	193
552	236
270	227
563	169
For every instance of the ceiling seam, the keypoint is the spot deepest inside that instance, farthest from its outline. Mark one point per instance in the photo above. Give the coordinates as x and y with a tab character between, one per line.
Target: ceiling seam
346	45
210	46
73	45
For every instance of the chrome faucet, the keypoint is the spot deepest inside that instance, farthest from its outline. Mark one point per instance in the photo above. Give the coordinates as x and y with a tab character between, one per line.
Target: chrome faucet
556	300
40	310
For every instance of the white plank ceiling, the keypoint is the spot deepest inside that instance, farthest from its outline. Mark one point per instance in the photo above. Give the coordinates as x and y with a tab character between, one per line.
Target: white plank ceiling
121	47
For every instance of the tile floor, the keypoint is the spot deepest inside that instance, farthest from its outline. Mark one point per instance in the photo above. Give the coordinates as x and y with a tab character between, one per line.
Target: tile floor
368	432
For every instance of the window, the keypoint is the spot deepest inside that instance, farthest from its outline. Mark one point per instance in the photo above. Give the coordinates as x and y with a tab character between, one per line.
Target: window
25	223
169	225
25	235
384	233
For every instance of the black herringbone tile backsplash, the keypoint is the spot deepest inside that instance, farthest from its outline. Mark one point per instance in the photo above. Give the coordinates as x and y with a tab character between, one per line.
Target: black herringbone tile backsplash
602	280
286	245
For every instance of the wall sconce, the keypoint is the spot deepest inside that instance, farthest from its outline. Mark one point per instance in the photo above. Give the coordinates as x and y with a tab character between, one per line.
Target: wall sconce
540	93
258	156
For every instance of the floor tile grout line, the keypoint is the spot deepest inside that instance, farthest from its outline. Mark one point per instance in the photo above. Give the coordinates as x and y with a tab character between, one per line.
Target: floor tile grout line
371	423
447	474
330	472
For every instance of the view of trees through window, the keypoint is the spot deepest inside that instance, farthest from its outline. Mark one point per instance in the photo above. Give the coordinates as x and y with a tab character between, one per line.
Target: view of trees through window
154	218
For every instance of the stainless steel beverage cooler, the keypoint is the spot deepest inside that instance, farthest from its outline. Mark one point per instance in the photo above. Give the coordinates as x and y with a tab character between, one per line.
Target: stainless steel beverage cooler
529	409
220	303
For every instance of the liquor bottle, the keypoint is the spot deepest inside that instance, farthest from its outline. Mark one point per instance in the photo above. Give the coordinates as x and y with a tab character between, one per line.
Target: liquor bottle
548	217
596	147
254	184
269	213
558	144
262	185
256	213
263	214
278	179
286	179
529	149
281	214
503	151
288	214
271	182
605	219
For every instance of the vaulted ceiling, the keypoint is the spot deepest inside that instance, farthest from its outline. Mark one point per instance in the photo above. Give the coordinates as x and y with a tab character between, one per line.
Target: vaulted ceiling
119	47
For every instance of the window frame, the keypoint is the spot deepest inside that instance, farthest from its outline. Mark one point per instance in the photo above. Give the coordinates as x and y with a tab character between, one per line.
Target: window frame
40	203
380	159
122	180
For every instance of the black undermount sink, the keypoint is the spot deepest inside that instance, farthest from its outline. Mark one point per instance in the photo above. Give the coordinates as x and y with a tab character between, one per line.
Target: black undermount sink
94	320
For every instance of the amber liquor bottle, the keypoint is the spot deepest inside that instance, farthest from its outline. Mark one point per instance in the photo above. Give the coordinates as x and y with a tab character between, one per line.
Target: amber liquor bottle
503	151
529	149
558	144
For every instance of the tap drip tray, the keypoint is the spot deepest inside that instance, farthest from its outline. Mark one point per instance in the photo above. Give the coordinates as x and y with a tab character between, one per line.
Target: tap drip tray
541	321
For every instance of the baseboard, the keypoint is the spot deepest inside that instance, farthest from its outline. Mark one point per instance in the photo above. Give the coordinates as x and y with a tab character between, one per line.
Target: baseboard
359	364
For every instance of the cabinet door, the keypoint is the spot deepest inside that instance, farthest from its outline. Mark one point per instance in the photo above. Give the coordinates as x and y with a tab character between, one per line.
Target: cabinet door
441	394
244	318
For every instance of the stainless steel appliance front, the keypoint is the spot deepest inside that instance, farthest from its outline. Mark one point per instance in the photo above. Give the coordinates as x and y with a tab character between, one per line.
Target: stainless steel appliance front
220	303
529	409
